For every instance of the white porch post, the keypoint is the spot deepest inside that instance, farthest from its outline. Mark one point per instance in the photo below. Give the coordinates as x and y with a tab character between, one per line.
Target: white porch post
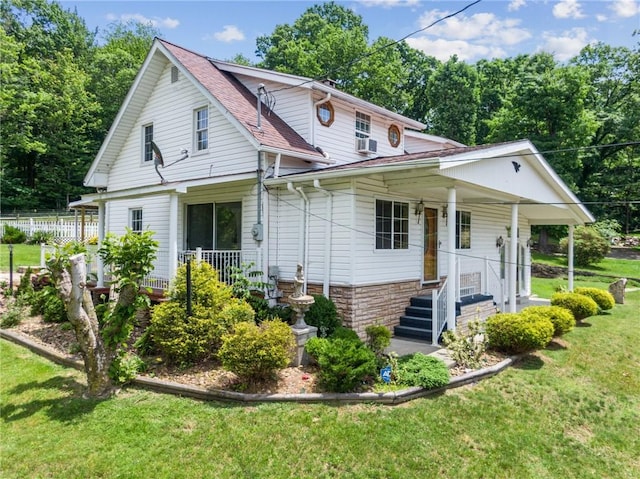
101	232
173	235
570	257
513	258
451	260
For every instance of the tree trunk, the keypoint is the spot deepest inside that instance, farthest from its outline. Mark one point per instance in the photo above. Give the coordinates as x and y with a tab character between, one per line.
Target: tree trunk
82	315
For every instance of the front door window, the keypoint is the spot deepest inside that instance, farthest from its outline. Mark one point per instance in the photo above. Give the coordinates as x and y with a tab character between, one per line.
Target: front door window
430	244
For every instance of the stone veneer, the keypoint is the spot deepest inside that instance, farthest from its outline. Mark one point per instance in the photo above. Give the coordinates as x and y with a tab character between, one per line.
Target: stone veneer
362	306
469	312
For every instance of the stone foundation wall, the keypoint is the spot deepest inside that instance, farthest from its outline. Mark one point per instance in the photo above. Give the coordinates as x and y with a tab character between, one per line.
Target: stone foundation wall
469	312
362	306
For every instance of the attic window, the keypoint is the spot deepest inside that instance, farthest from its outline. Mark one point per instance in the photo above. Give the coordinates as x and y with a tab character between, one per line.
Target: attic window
325	113
394	135
174	74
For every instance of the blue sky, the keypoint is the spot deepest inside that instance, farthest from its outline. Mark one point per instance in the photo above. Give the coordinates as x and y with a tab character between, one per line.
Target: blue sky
490	29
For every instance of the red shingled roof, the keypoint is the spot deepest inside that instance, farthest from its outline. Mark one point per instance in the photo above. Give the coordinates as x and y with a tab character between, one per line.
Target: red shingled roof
241	103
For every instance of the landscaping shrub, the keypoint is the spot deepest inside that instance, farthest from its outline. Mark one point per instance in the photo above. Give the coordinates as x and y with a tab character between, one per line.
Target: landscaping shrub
215	311
255	352
39	237
264	311
561	318
344	333
378	338
466	349
13	235
604	299
580	305
323	315
14	314
517	333
423	371
125	367
47	303
589	246
345	364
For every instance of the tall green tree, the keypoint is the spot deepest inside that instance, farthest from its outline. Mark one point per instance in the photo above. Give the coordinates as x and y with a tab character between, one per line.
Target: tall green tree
454	97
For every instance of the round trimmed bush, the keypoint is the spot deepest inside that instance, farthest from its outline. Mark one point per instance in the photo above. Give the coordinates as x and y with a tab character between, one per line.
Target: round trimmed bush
323	315
604	299
255	352
423	371
515	333
562	319
580	305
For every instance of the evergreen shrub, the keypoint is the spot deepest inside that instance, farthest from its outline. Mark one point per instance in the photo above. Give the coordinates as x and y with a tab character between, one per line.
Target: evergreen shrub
589	246
323	315
562	319
256	353
580	305
13	235
345	364
422	371
604	299
515	333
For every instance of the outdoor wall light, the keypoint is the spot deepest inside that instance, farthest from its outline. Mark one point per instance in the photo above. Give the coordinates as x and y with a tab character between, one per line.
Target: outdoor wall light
419	210
529	243
499	242
445	212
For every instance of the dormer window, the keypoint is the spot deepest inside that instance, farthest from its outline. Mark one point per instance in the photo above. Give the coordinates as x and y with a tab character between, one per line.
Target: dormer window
325	113
363	125
394	136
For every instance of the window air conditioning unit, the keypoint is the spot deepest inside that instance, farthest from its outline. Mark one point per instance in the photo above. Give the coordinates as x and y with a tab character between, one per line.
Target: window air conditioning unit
366	145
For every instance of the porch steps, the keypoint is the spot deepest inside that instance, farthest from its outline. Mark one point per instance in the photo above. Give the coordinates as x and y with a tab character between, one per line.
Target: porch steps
416	323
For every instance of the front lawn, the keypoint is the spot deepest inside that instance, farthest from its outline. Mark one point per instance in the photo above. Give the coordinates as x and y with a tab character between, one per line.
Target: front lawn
570	411
23	255
620	268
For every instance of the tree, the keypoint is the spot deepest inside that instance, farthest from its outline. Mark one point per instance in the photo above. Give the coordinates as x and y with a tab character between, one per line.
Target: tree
131	259
454	98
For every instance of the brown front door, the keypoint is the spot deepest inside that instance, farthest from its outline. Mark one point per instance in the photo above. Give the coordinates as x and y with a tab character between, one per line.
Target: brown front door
430	244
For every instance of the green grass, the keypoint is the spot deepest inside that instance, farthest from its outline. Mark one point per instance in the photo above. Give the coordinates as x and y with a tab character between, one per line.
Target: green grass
570	411
23	255
608	266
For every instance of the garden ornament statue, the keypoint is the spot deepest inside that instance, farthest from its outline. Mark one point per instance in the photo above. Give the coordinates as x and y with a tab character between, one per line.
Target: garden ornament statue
299	300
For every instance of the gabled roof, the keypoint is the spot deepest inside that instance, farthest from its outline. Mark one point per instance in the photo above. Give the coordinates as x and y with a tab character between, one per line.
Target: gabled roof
224	91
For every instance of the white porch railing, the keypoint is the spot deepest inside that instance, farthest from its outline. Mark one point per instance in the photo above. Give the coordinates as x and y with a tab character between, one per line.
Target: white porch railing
221	261
439	311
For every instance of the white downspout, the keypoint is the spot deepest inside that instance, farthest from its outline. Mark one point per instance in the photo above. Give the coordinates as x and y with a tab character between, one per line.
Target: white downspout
513	258
276	166
101	233
304	228
570	258
328	233
173	235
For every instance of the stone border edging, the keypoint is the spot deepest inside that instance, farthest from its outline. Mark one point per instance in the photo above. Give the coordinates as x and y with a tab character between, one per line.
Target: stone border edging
167	387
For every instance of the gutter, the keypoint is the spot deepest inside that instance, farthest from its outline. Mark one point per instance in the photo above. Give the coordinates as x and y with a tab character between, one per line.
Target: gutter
304	229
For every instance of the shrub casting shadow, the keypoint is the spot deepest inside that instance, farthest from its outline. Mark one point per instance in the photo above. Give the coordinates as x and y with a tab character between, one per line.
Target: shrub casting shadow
529	362
63	409
583	324
556	345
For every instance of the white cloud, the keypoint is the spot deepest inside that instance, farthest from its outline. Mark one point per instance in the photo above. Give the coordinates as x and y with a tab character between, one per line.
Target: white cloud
389	3
568	9
566	45
626	8
601	18
444	49
470	37
515	5
230	33
156	22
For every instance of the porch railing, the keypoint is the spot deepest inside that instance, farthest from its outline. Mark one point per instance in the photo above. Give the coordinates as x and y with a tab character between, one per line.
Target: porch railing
222	261
439	311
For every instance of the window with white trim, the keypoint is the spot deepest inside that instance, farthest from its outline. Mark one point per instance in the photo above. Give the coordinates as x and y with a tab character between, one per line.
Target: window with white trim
201	127
147	138
392	224
463	230
363	125
135	220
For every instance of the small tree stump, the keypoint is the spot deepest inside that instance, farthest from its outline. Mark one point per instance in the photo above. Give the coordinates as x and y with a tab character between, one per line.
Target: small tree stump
617	290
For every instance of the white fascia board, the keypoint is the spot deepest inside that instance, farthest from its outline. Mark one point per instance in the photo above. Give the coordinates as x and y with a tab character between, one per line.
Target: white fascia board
298	155
433	138
486	153
267	75
123	108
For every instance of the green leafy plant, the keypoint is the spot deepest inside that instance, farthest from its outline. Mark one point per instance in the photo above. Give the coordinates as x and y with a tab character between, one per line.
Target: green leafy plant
580	305
515	333
344	333
14	315
589	246
378	338
125	367
466	349
256	353
13	235
345	364
323	315
423	371
39	237
604	299
244	280
562	319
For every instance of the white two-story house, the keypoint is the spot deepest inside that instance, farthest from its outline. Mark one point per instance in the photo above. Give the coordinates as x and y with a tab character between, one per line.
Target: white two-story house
238	164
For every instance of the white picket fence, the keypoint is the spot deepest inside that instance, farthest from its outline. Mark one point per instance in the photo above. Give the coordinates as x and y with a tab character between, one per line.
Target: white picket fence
63	230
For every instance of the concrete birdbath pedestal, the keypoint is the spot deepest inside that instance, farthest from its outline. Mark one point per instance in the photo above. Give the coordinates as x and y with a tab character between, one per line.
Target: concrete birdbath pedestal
302	332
